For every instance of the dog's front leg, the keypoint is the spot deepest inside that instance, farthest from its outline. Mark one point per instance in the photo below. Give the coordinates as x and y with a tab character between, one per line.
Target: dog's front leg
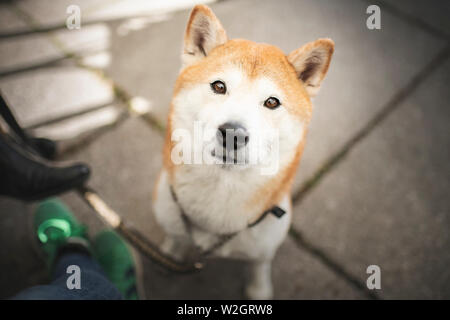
177	242
259	286
177	247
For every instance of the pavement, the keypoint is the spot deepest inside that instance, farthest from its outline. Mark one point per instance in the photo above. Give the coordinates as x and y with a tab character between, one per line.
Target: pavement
373	183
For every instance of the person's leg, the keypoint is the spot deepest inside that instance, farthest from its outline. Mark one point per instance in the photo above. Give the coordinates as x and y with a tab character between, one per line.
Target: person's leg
93	283
69	255
66	247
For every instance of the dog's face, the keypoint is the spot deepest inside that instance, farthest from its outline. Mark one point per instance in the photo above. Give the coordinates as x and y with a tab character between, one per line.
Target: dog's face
248	101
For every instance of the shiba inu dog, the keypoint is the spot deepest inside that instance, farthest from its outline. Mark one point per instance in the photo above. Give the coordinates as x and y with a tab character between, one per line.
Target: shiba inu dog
220	204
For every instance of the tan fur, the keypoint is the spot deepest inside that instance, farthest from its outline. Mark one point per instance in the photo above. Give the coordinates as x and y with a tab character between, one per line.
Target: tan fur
168	145
321	49
298	76
272	192
257	60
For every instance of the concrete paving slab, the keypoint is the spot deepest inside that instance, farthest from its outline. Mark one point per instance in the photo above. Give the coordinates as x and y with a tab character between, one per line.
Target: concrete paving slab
434	13
26	51
47	12
298	275
146	62
295	275
35	49
121	9
89	39
221	279
387	203
125	162
52	93
368	68
9	21
76	127
51	13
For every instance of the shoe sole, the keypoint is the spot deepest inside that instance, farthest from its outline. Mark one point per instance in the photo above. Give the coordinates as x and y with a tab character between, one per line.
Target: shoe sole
139	267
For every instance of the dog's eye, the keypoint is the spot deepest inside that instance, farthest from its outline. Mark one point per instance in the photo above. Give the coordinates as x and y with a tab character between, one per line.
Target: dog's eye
219	87
272	103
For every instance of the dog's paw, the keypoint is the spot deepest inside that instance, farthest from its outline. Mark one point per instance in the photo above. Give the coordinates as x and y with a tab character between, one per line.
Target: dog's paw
260	291
170	248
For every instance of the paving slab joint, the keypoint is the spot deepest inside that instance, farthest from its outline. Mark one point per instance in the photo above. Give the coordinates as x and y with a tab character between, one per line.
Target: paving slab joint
384	112
334	266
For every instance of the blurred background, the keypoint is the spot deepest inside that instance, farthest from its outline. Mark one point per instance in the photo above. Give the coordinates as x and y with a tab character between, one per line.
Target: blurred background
374	181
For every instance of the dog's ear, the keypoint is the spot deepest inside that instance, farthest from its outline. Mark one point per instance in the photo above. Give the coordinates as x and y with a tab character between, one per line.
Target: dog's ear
311	63
204	32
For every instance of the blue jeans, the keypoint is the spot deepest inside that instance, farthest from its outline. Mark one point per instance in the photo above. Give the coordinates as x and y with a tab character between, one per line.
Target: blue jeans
93	282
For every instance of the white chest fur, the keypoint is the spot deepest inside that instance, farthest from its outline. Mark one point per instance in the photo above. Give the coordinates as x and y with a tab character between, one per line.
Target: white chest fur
217	199
217	206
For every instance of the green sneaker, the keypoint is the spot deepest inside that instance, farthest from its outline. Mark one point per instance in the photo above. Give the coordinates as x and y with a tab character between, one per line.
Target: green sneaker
119	263
56	226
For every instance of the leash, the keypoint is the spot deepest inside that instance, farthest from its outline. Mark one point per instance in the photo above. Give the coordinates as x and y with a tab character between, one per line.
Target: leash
133	236
150	249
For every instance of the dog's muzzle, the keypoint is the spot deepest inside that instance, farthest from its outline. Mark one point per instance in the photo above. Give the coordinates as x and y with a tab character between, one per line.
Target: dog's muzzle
232	136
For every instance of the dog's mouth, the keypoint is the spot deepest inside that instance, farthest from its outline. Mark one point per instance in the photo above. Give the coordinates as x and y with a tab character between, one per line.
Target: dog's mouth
228	158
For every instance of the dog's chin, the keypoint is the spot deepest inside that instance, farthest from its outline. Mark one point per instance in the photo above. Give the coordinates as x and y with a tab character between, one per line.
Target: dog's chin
229	162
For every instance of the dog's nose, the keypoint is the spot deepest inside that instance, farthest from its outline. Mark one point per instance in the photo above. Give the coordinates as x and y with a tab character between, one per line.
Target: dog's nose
234	131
